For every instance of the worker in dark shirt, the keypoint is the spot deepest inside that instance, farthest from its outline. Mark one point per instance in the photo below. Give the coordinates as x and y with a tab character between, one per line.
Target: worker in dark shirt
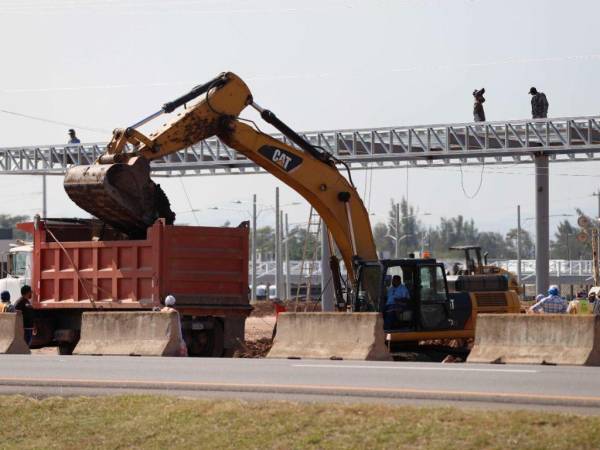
539	104
23	304
478	112
73	139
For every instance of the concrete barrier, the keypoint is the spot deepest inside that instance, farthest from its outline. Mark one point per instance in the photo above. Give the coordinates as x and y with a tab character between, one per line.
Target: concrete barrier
144	333
537	339
321	335
11	334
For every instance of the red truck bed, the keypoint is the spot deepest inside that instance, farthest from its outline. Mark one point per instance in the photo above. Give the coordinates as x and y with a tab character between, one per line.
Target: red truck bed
204	267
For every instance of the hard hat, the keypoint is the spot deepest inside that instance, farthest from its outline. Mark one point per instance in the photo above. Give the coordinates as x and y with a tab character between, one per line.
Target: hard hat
553	290
5	296
169	300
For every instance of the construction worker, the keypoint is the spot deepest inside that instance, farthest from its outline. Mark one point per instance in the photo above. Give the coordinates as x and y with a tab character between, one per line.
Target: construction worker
579	306
73	139
539	104
23	304
5	305
170	307
169	304
478	112
397	301
552	304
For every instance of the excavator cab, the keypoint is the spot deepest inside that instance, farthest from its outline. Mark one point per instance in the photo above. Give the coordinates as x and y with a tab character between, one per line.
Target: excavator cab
474	263
429	306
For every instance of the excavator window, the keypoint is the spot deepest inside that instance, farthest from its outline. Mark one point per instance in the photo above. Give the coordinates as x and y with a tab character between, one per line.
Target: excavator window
368	296
433	285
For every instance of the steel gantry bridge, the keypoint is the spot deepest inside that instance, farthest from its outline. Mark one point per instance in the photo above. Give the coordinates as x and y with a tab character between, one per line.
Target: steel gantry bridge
516	141
540	141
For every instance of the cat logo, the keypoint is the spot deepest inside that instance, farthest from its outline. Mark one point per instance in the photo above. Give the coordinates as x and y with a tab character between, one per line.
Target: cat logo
284	159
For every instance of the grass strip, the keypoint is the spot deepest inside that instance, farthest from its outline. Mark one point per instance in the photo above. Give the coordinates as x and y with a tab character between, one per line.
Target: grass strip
158	422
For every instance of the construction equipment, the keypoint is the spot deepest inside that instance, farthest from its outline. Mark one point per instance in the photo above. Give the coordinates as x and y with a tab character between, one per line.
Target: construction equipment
118	190
478	266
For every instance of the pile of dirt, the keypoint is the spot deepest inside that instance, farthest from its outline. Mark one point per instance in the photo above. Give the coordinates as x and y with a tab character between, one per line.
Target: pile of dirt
254	349
267	307
466	343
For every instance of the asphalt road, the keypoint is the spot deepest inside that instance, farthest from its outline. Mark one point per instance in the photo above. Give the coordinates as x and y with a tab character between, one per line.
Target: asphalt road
537	386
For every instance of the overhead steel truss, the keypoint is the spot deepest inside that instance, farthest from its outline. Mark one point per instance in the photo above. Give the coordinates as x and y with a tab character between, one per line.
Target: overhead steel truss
515	141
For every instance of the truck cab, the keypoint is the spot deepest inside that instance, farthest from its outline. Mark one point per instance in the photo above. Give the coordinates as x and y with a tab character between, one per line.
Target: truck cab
429	309
16	269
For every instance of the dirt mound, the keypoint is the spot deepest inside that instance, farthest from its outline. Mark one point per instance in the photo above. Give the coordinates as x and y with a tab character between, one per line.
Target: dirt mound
254	349
267	307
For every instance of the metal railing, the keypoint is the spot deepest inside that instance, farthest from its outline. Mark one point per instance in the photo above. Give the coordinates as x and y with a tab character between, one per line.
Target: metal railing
514	141
558	267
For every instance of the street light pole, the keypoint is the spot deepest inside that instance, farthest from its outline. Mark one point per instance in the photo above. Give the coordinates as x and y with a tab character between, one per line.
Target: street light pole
288	287
254	250
44	197
278	265
397	220
519	244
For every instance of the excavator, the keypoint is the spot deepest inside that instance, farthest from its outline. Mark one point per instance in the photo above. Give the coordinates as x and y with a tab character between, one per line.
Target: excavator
118	189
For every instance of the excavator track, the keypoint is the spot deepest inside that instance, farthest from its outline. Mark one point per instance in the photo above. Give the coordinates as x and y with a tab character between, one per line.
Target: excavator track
122	195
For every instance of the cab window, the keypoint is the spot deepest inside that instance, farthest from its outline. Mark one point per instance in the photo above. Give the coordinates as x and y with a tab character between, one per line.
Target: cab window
18	263
368	288
433	287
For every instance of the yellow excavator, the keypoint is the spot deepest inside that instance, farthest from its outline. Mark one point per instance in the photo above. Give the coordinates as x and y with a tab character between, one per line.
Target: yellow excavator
118	190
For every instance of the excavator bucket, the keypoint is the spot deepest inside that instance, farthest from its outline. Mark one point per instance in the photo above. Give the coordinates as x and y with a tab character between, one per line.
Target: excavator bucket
122	194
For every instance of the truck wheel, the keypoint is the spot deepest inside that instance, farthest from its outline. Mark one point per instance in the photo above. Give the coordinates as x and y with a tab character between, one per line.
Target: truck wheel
207	343
66	348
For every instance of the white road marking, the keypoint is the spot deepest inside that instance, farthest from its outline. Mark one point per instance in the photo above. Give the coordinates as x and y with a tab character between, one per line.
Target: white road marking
447	369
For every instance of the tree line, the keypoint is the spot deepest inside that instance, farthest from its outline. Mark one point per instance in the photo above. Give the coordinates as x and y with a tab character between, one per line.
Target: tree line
414	236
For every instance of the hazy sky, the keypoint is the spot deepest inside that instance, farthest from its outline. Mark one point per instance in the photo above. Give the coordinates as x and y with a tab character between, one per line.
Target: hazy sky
318	64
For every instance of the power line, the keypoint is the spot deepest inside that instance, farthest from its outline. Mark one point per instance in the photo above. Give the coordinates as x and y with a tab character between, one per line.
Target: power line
462	182
55	122
189	201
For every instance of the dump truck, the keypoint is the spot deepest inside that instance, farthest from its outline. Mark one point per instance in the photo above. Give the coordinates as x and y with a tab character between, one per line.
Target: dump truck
83	265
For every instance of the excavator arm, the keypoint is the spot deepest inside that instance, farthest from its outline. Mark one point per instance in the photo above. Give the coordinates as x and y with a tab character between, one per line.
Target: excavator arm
321	184
118	188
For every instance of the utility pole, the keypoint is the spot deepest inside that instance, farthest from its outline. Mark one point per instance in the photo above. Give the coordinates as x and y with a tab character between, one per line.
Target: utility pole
397	220
254	250
519	244
288	287
44	197
278	265
542	228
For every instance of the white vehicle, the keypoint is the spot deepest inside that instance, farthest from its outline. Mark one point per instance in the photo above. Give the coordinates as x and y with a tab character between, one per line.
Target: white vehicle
16	269
261	292
272	292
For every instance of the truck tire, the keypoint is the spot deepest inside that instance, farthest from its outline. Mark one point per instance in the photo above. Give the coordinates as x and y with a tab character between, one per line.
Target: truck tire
66	348
206	343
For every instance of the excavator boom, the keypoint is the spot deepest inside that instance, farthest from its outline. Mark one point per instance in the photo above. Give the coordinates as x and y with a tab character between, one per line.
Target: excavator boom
118	188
